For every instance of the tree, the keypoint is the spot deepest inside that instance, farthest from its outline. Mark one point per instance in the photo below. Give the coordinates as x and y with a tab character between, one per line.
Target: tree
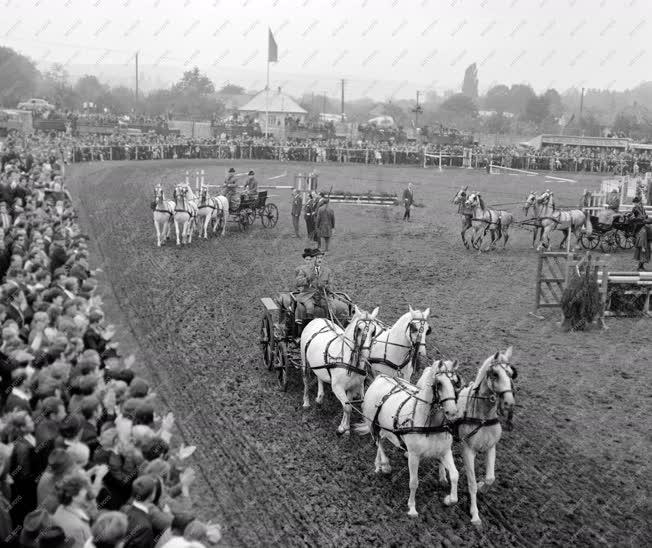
496	123
470	84
625	123
519	95
56	87
20	77
89	88
536	109
458	111
498	99
119	99
195	82
553	102
231	89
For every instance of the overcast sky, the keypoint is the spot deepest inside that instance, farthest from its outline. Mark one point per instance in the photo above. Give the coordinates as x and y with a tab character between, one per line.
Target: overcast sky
383	48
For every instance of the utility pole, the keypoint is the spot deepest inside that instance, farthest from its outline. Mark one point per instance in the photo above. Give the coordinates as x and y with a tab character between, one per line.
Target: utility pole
342	99
417	110
581	109
136	76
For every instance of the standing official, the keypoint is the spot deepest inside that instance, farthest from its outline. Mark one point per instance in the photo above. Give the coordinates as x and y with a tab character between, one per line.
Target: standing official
297	206
308	212
324	224
408	200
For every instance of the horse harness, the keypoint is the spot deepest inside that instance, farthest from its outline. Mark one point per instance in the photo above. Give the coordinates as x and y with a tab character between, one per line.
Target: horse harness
412	350
406	426
481	423
352	367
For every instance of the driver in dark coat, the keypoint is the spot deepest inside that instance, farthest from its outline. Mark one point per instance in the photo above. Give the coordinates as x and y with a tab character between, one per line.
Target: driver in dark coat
251	186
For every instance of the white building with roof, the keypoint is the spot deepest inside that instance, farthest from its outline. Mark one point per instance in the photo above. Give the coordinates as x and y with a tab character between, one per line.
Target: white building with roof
278	105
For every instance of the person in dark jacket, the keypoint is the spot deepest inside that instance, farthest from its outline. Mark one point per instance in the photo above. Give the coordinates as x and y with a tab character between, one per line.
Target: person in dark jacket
408	200
23	467
297	205
324	224
141	530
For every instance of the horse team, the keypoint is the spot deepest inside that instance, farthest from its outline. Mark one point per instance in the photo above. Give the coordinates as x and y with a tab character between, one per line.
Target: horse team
188	213
540	213
421	419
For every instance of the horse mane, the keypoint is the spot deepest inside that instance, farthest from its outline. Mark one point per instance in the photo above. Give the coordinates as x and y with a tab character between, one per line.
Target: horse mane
426	378
480	201
402	321
483	371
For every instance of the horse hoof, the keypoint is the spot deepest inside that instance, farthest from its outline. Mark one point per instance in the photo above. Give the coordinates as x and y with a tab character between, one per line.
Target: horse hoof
306	406
386	469
477	523
413	513
343	432
449	501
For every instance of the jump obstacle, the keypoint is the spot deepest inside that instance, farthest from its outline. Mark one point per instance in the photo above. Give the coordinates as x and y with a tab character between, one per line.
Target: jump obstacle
553	270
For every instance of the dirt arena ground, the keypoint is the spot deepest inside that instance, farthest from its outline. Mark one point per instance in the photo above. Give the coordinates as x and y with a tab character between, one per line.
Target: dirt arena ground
573	470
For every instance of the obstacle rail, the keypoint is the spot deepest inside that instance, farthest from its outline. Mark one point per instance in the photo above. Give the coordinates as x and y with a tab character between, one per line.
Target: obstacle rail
551	280
363	199
631	287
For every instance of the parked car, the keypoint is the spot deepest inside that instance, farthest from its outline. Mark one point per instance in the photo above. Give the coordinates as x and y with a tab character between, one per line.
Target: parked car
35	105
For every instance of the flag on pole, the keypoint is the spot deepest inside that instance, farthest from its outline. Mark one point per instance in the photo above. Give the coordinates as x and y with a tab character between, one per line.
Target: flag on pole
272	49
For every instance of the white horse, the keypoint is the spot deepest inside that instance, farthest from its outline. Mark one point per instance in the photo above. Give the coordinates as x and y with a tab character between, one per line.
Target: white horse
338	357
555	219
534	216
395	351
415	419
163	215
185	214
488	220
477	421
213	209
466	212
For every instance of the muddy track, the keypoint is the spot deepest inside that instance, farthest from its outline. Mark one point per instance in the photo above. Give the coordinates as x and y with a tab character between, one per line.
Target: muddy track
573	471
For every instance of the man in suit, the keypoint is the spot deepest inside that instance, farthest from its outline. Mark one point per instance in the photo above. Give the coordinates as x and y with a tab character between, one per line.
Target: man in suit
297	206
322	281
305	309
141	530
251	185
308	215
324	224
408	200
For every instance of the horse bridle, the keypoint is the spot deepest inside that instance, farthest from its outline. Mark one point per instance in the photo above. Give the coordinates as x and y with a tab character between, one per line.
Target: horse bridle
435	398
495	395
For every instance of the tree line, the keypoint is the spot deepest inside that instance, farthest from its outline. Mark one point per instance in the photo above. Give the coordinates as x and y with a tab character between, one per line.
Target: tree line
502	109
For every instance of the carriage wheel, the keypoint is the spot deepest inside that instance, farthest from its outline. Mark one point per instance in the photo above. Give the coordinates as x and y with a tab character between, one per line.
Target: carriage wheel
267	343
589	241
609	242
269	216
282	365
477	244
251	216
624	240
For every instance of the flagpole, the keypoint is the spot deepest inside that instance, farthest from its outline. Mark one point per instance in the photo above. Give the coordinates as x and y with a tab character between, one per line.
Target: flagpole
267	101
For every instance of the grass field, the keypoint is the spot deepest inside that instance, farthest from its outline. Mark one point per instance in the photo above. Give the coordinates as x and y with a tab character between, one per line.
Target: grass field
575	470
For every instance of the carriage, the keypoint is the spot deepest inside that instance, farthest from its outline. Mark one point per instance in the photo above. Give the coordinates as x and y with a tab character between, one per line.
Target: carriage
279	332
620	234
249	207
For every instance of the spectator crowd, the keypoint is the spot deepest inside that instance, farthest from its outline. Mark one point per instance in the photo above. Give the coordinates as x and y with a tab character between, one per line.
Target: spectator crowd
86	461
151	146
